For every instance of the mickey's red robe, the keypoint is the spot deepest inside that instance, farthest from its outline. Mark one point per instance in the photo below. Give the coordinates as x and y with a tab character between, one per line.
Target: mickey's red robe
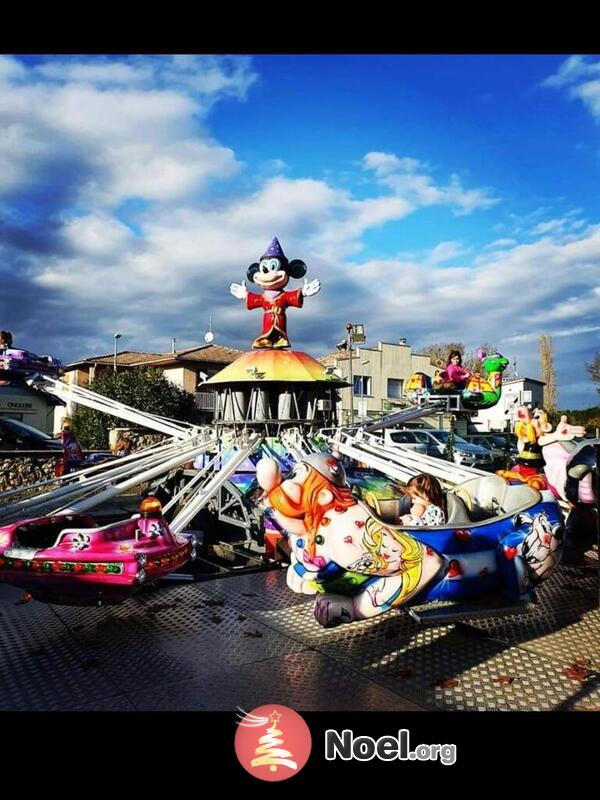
274	332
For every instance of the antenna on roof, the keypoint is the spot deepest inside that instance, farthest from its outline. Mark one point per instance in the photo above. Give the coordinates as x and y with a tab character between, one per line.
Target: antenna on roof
515	366
209	336
173	340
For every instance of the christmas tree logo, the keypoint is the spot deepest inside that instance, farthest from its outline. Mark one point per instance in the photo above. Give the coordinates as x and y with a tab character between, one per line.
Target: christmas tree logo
272	742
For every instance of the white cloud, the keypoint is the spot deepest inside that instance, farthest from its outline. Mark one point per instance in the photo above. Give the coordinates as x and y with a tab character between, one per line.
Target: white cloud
551	226
445	251
498	244
581	79
99	236
387	163
11	69
408	178
132	127
209	77
571	71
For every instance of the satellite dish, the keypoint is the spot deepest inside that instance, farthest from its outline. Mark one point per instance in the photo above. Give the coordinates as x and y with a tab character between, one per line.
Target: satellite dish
209	335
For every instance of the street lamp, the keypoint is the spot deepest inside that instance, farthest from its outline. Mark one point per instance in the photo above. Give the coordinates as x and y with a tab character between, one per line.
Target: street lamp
362	391
355	332
117	336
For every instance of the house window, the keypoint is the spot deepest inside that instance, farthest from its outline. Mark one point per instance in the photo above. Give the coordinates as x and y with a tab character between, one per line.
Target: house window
394	388
202	375
362	385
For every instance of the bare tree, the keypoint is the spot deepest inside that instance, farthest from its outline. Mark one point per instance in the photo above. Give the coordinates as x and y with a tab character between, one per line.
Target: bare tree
473	362
438	352
594	369
548	372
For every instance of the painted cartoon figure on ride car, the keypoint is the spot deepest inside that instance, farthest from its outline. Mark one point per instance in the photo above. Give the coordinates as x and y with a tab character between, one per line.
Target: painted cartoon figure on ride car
272	273
360	565
528	468
569	470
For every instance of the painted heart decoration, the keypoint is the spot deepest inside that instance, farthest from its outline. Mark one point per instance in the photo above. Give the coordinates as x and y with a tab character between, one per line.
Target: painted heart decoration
510	552
454	570
462	535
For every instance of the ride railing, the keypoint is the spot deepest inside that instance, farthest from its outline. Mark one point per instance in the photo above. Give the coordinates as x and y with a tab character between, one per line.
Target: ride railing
90	487
85	397
400	463
213	481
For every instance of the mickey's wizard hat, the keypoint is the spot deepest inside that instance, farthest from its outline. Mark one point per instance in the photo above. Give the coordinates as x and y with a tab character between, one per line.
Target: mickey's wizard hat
274	251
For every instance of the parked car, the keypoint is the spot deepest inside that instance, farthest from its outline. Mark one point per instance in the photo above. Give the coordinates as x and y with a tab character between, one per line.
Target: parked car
405	439
471	455
501	445
17	435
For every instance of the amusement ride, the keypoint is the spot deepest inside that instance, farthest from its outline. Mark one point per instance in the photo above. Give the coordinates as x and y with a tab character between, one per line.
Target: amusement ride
277	466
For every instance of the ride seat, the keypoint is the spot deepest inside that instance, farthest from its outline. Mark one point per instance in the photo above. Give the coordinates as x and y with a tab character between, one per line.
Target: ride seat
388	511
458	514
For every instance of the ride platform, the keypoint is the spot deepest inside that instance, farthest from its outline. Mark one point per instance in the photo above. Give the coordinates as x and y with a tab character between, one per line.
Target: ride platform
245	640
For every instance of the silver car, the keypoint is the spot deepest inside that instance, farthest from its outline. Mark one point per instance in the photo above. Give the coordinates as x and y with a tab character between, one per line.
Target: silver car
471	455
406	439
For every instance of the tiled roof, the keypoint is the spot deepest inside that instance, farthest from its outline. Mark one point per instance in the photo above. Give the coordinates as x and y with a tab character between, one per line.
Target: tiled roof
330	359
125	357
214	353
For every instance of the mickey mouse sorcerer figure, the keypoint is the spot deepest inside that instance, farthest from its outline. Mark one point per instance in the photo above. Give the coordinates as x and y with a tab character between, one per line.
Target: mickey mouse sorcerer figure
272	273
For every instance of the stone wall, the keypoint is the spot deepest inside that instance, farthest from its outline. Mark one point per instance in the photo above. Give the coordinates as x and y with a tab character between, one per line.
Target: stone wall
19	469
139	438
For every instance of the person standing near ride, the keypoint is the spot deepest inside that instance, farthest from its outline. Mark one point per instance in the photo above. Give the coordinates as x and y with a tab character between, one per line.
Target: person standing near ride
72	452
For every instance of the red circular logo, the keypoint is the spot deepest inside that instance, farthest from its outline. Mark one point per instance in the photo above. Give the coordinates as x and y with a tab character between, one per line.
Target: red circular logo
272	742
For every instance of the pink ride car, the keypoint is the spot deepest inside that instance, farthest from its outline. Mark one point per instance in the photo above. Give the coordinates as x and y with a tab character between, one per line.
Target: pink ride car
66	559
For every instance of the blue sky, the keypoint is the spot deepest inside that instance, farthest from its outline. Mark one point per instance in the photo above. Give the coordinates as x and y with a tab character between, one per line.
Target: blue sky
438	198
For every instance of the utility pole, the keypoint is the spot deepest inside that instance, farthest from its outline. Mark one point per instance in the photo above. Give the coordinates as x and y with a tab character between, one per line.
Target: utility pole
349	329
116	337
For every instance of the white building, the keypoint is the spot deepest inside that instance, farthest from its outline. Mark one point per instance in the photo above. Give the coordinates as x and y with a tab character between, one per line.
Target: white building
515	392
379	375
18	401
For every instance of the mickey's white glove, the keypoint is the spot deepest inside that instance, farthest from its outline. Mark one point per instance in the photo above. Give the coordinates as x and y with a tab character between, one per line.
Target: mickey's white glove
239	290
311	288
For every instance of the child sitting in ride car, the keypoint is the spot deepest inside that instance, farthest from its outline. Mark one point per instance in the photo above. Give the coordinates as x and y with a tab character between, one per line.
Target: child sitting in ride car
455	372
427	501
6	340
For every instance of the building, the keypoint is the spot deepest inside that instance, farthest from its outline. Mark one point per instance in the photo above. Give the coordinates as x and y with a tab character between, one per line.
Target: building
515	392
30	406
188	369
379	375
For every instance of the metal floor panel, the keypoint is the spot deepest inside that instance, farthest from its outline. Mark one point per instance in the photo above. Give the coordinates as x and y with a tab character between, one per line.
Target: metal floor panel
302	681
565	624
247	640
259	590
42	667
159	638
444	669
